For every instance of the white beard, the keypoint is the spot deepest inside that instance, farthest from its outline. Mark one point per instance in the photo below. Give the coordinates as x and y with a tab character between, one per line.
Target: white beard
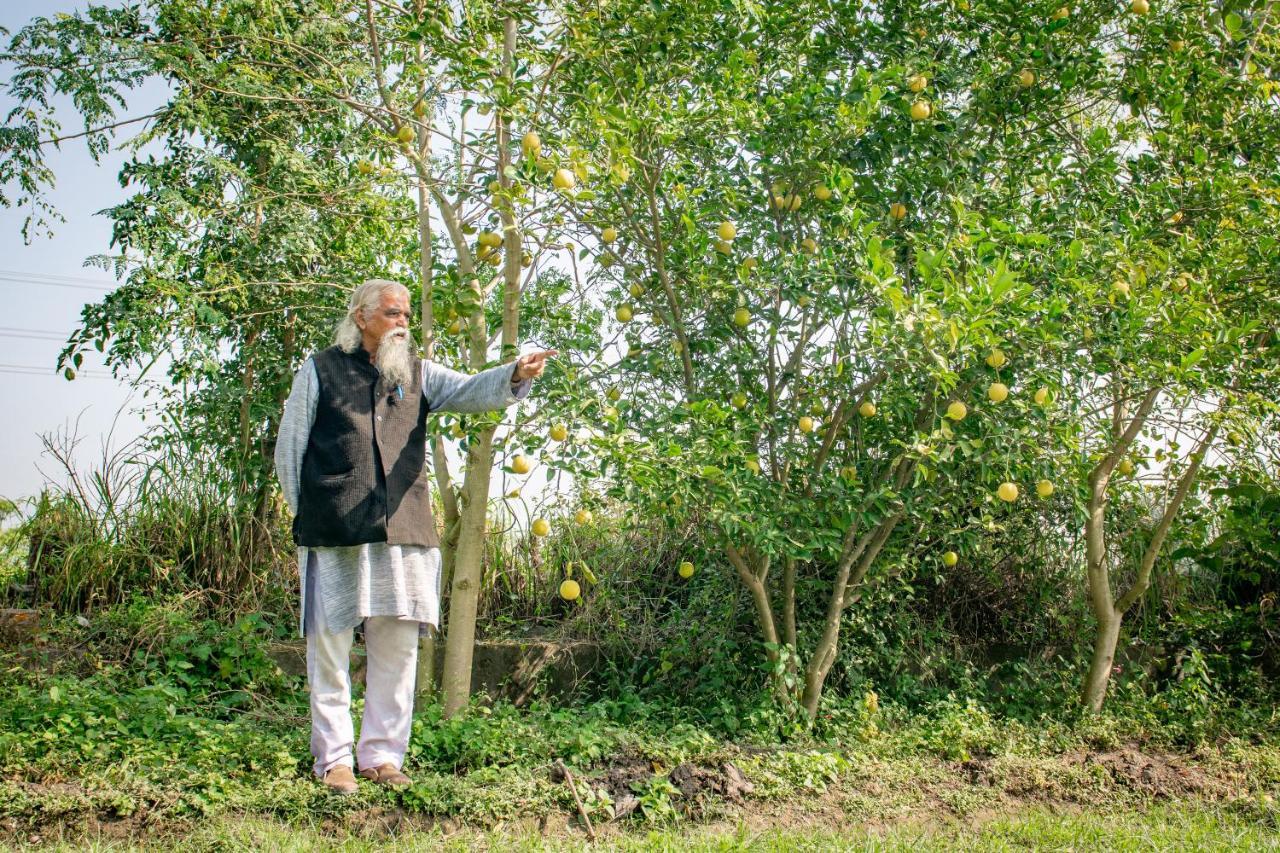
393	358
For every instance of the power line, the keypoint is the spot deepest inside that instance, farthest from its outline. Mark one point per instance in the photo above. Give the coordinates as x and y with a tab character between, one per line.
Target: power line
49	276
35	370
32	336
19	329
14	280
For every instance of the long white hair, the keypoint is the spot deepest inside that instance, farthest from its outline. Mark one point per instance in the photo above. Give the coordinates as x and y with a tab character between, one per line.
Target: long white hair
367	297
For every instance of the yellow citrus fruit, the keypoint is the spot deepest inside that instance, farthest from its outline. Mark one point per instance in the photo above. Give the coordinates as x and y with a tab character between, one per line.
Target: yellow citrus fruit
867	409
998	392
1044	488
1063	12
996	359
794	203
521	464
405	134
420	108
541	527
613	394
582	516
726	231
749	264
822	192
806	424
558	432
636	289
1041	396
531	143
1140	7
623	313
1026	78
898	210
492	239
724	247
957	410
741	317
609	234
364	167
1125	467
563	179
950	558
921	110
610	413
917	82
686	570
569	590
1007	492
739	400
809	245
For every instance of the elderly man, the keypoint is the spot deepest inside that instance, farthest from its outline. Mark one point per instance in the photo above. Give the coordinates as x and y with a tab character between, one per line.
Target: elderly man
351	459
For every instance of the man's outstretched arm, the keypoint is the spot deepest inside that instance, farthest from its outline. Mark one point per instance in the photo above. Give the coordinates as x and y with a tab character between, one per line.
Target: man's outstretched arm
496	388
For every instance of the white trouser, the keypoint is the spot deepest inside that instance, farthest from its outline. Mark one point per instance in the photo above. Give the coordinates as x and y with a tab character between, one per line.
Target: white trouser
392	647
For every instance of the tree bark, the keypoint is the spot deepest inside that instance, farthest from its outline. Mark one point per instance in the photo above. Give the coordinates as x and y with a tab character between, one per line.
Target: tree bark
1101	598
824	653
473	522
1104	654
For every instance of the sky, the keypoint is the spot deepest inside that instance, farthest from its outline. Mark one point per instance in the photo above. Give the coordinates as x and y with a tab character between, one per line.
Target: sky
43	287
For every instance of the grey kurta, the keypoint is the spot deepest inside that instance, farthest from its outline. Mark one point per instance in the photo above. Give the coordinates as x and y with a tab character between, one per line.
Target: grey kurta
342	586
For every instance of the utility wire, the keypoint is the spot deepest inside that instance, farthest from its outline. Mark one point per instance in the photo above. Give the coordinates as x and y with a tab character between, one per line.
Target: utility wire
59	277
24	370
34	336
11	280
19	329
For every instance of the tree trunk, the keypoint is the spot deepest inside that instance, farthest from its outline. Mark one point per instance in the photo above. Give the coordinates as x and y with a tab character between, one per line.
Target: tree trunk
1104	654
824	654
1097	573
464	595
473	520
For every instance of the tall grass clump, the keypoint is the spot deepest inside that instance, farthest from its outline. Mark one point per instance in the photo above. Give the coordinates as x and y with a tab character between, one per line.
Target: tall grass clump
159	517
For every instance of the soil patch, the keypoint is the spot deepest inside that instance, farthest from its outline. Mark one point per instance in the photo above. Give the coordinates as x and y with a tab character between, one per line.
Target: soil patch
699	786
1159	775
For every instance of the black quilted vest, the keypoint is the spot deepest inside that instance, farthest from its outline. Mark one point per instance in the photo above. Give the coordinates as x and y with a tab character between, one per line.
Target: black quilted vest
364	476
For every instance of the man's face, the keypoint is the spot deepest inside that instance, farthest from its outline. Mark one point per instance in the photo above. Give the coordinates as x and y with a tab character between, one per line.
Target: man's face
392	313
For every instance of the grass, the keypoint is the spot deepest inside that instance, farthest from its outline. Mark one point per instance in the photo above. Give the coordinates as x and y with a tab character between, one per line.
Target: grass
165	725
1181	826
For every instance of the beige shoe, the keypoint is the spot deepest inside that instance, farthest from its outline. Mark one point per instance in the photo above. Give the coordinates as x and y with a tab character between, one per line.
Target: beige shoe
387	774
340	779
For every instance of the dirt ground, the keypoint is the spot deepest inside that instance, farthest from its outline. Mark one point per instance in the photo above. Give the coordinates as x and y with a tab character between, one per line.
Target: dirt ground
875	794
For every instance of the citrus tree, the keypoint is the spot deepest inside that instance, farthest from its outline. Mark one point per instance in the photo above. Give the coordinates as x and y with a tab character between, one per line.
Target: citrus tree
833	308
1176	315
